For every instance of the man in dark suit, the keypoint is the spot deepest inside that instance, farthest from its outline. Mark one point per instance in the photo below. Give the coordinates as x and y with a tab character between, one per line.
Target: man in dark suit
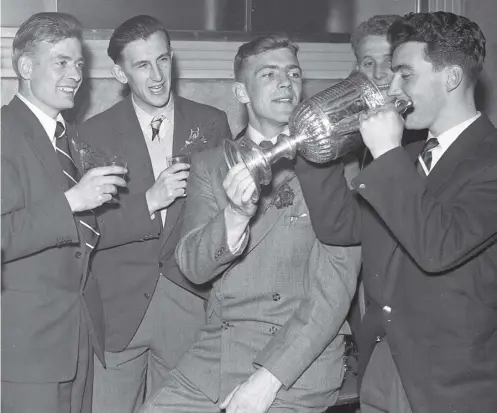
274	339
152	312
51	310
426	218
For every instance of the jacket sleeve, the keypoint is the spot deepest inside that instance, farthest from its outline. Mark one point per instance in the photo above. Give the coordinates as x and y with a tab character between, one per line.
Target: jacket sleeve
329	288
333	208
30	227
438	235
202	252
126	222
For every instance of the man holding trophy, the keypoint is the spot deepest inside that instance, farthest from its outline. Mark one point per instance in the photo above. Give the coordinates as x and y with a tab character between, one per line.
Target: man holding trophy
274	338
427	226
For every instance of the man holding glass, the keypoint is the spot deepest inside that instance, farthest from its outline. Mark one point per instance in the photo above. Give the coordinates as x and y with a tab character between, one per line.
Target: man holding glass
152	312
52	320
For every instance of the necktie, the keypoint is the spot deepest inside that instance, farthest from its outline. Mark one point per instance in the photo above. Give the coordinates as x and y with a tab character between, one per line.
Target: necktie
266	144
86	220
155	125
426	156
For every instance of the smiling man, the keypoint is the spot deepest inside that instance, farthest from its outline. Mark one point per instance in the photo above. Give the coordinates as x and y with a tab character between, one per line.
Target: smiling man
52	319
274	338
426	221
151	310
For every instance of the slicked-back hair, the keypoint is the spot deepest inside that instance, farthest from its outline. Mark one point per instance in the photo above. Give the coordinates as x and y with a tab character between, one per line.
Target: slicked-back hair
374	26
51	27
137	28
260	45
449	40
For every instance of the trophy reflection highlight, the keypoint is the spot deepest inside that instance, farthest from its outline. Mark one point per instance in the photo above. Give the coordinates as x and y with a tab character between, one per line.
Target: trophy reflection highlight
322	127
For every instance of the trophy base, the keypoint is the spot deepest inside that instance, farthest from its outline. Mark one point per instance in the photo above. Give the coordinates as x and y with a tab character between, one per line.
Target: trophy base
254	159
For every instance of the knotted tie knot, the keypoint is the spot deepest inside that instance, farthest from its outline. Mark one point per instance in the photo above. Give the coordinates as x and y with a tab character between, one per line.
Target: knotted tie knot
155	125
426	157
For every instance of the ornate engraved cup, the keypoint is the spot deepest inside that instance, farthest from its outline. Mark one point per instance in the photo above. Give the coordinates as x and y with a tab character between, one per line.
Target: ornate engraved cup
323	127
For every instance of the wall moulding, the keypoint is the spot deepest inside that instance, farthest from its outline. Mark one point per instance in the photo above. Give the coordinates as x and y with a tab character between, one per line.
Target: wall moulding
202	59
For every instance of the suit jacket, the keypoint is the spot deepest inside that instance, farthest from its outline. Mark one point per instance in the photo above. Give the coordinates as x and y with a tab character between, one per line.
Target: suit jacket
134	250
47	290
279	302
430	264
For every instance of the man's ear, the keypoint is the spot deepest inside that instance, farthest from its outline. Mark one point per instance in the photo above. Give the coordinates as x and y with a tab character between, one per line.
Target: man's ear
25	66
454	76
240	92
119	74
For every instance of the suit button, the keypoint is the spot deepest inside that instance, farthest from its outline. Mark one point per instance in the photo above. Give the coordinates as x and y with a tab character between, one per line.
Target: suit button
362	186
147	295
273	330
77	254
387	309
161	264
276	297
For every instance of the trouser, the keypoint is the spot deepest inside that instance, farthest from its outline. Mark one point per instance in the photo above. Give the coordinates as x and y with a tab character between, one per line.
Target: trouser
165	333
381	389
180	395
73	396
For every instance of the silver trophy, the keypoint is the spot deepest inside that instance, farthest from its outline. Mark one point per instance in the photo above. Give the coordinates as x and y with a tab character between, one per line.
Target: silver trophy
322	127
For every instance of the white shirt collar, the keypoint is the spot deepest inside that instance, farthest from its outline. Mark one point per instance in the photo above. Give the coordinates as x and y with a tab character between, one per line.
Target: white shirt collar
258	137
448	137
145	119
48	123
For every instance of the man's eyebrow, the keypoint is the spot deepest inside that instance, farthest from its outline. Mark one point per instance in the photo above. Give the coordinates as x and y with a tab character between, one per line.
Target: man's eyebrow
276	67
266	67
400	67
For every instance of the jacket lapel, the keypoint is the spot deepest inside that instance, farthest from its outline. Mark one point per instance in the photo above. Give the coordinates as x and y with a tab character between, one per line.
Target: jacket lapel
182	128
133	148
39	141
460	151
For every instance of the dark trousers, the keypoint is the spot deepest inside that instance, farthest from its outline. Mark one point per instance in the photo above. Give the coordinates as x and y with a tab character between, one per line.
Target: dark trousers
381	389
73	396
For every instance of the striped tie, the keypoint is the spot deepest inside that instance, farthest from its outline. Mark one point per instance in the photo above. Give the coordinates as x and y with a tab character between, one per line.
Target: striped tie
87	220
155	125
426	157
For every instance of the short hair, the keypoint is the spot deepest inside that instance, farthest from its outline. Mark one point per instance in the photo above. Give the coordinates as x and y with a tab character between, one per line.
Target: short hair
137	28
51	27
261	45
374	26
449	40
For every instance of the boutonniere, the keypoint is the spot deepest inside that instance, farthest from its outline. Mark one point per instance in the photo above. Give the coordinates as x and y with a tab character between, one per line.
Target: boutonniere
196	137
86	154
283	197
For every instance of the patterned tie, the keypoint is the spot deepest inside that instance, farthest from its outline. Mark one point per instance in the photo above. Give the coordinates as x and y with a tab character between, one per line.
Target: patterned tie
86	219
426	156
266	144
155	125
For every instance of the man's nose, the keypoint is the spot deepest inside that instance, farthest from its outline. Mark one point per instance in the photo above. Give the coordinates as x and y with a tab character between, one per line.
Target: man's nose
285	80
74	72
155	73
381	71
394	89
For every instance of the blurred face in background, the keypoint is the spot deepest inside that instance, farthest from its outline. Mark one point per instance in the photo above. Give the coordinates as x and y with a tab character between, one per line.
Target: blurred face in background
374	60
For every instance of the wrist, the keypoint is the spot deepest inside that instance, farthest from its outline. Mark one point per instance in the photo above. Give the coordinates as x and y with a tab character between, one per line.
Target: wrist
273	383
376	153
72	200
152	206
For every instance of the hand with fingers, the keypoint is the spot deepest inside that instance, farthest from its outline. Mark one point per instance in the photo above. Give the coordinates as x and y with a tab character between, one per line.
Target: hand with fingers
168	186
95	188
381	129
240	186
256	395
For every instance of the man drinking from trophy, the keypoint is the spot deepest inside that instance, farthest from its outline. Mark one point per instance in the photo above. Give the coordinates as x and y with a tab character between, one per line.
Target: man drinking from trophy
425	215
274	339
